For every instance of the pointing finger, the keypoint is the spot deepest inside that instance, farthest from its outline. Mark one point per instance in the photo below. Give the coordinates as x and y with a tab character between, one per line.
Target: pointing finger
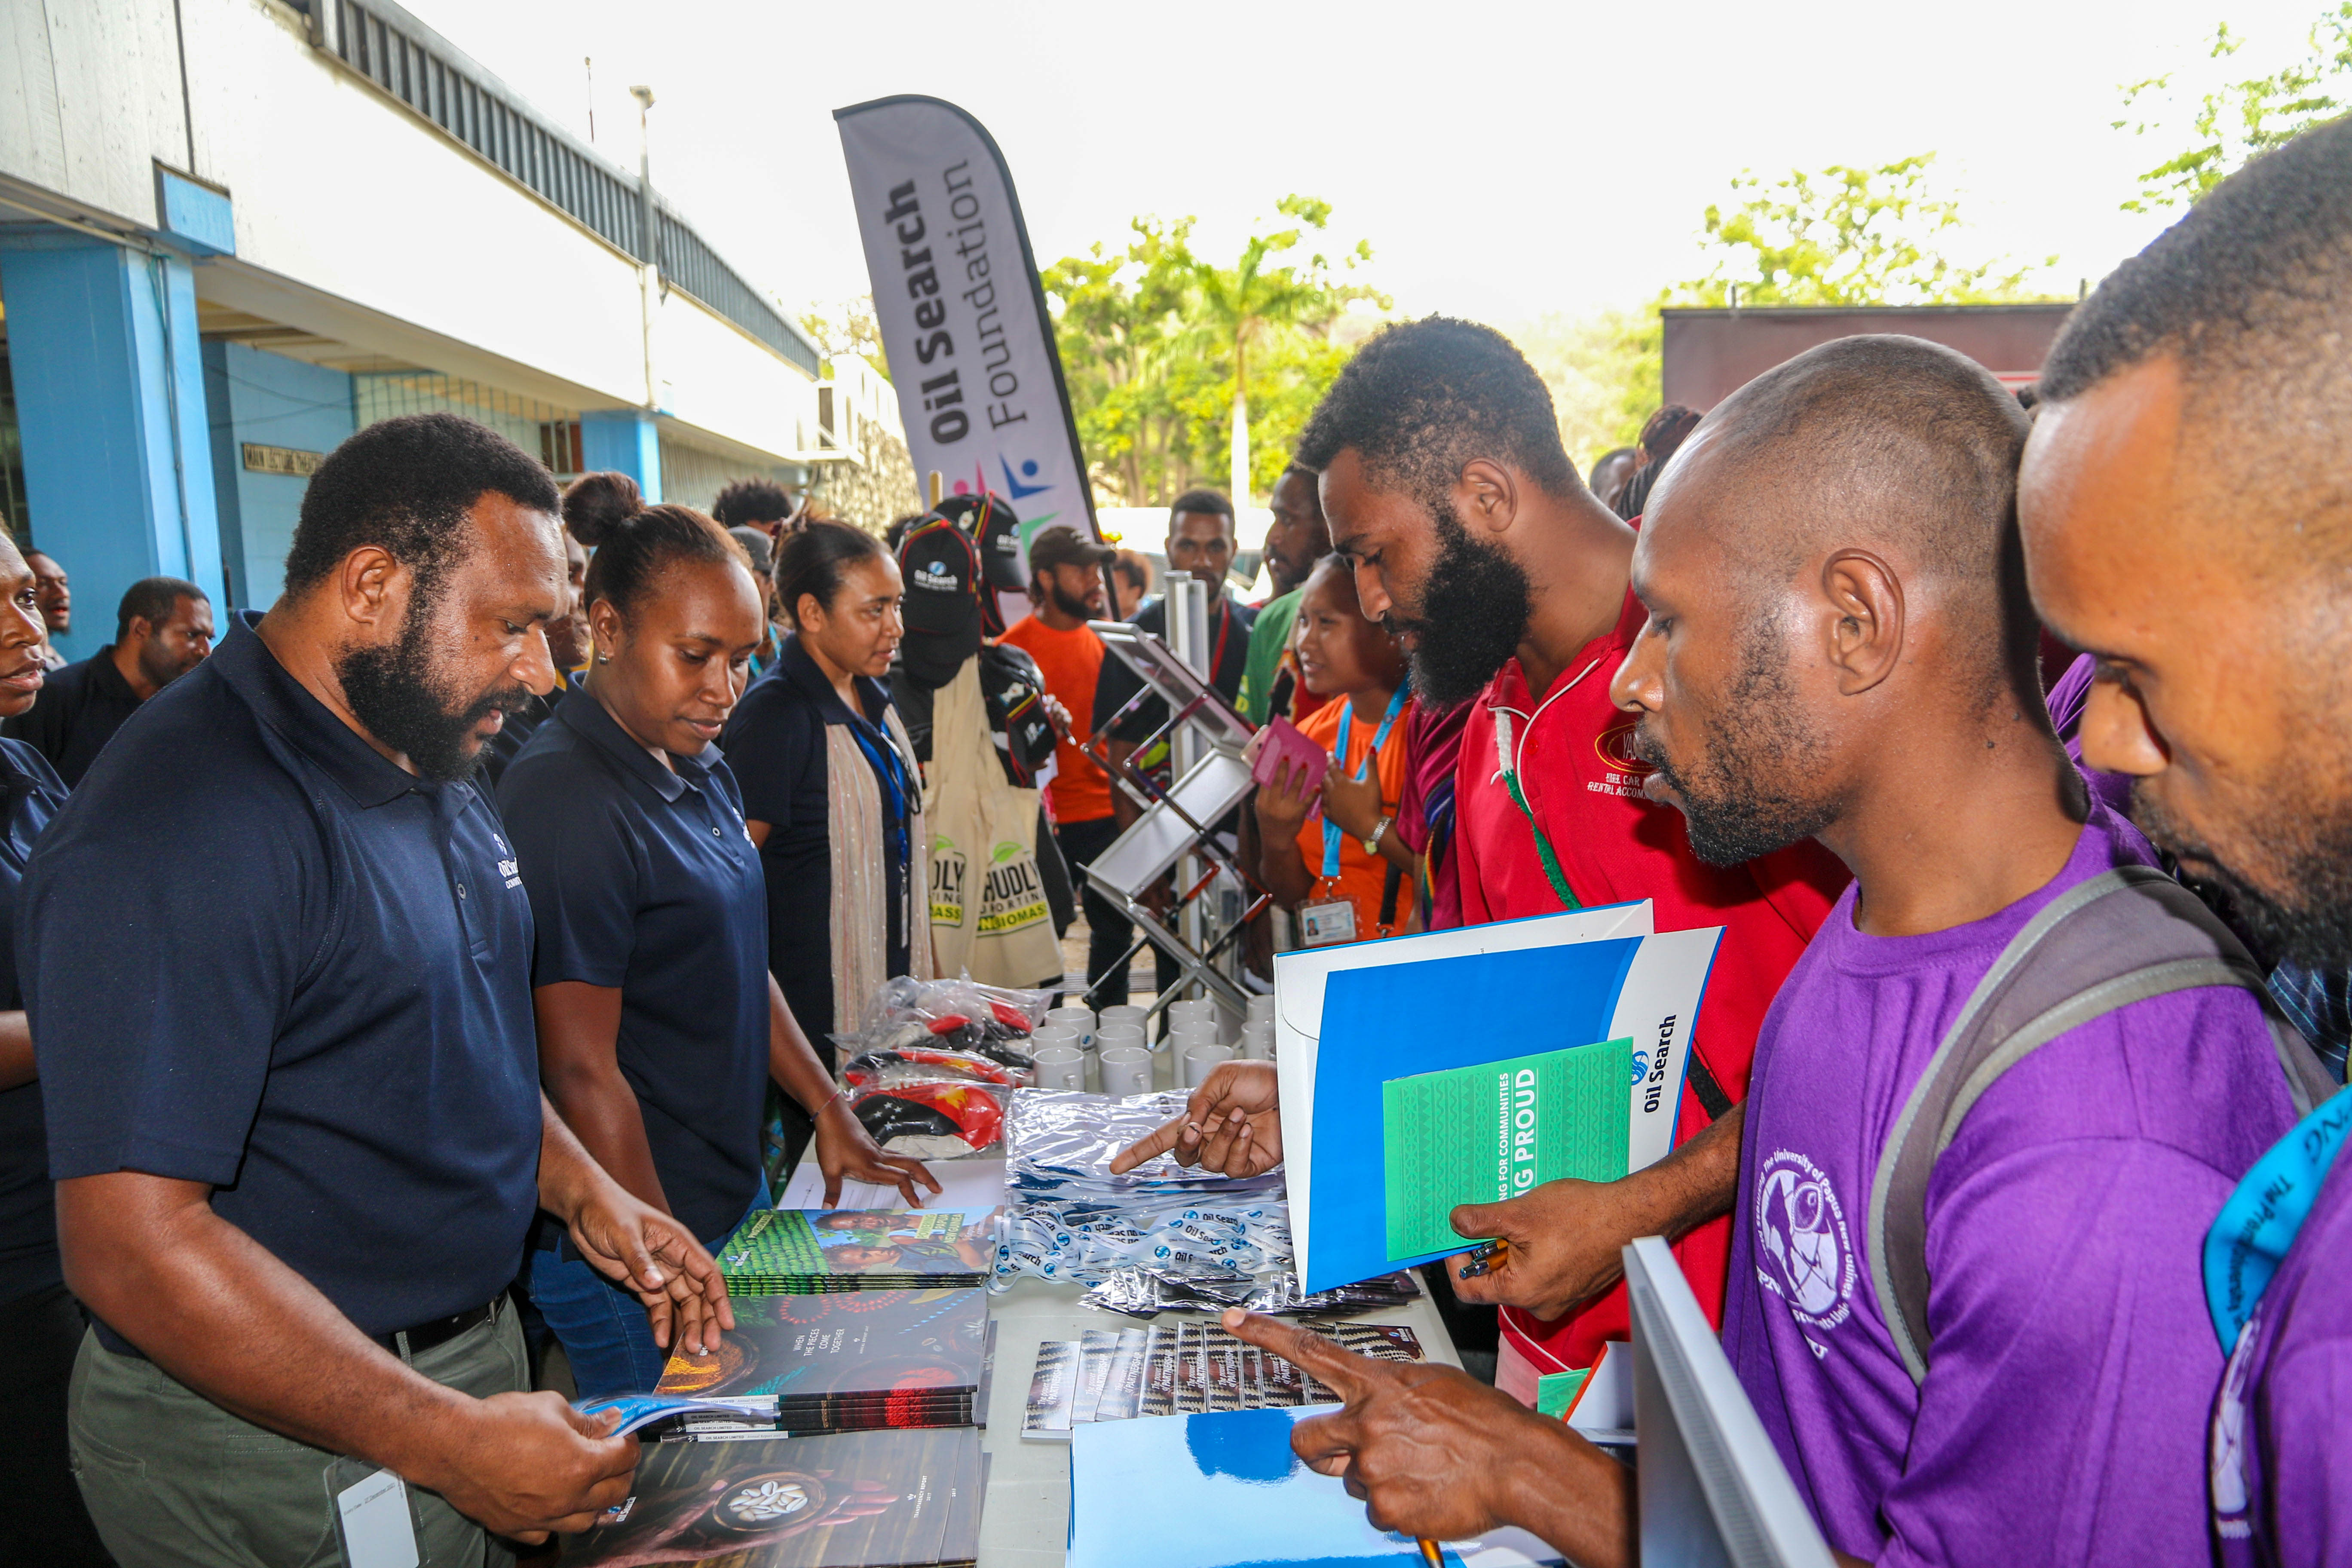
1149	1148
1350	1375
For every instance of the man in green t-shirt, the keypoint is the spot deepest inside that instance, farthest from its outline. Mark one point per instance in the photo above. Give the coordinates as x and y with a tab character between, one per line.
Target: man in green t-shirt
1296	540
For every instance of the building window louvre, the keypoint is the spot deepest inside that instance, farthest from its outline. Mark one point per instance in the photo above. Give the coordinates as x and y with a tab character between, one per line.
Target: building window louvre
535	157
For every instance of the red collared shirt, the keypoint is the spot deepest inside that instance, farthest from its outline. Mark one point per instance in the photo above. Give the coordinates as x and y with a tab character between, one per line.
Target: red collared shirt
1576	771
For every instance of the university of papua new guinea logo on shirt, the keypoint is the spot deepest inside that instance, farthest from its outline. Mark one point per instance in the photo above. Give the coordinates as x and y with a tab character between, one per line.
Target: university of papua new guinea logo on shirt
1804	1255
2226	1452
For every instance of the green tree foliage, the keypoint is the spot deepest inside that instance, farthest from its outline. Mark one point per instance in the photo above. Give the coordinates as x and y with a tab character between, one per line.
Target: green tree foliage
847	327
1160	348
1603	371
1847	235
2240	119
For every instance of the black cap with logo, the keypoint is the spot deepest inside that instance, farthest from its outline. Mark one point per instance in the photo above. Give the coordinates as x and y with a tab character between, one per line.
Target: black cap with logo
995	529
941	572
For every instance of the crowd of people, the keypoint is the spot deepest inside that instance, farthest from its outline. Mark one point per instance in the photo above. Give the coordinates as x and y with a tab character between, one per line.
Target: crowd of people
441	949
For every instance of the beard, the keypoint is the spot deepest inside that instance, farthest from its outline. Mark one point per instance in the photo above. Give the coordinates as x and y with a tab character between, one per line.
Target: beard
1739	802
1475	607
399	692
2311	926
1069	604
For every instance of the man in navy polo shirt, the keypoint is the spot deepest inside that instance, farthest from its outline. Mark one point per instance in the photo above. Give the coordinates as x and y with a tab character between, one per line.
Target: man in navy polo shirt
278	964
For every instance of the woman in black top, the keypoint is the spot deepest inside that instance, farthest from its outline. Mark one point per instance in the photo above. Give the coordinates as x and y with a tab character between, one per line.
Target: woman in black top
40	1322
831	787
658	1023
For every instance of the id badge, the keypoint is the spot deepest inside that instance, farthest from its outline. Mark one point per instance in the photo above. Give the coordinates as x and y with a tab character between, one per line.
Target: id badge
1327	923
372	1517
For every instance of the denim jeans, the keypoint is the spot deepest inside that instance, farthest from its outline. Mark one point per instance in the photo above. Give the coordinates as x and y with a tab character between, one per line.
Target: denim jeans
600	1321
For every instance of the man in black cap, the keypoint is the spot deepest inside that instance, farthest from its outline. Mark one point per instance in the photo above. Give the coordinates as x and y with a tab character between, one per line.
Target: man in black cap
1065	585
1201	541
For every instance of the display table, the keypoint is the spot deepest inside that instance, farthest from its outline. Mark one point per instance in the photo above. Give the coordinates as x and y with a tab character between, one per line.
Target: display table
1026	1523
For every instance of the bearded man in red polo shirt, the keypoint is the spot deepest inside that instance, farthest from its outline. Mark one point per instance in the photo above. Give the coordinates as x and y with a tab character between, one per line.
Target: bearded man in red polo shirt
1474	540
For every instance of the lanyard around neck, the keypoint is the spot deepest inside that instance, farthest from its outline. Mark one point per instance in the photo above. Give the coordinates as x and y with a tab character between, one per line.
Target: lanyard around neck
2262	1218
1371	755
1506	768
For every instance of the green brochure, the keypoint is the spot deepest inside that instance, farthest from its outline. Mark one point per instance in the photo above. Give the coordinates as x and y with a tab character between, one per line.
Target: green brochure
1481	1134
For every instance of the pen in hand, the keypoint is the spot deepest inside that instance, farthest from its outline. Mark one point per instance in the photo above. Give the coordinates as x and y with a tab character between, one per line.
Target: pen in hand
1485	1258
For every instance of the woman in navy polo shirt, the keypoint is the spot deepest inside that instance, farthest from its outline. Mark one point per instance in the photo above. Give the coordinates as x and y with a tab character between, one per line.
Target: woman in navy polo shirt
658	1023
40	1324
831	786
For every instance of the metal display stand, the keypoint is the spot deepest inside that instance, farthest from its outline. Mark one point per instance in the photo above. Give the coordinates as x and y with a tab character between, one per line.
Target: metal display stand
1176	832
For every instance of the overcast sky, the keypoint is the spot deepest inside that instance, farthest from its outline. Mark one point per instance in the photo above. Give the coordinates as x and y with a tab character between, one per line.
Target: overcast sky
1503	160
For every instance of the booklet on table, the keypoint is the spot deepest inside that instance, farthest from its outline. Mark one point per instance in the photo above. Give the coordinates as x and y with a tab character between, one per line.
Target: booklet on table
1222	1490
1384	1131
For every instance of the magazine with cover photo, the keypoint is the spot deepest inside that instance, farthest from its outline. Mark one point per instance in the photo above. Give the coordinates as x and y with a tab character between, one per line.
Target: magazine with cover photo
794	1251
852	1500
849	1361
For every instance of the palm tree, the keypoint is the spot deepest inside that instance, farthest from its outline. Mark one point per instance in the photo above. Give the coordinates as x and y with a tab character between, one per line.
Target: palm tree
1264	293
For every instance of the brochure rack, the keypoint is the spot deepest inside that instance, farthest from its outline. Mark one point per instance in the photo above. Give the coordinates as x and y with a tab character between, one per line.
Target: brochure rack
1176	833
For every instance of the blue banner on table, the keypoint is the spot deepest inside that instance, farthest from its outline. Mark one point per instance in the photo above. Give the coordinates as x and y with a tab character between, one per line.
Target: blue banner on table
961	310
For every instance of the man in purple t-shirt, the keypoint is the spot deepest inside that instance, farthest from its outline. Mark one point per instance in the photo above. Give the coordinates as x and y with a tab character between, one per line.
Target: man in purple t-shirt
2184	515
1834	650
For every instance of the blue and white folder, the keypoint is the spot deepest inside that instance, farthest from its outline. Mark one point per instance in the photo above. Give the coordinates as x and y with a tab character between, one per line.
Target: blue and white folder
1225	1491
1349	1018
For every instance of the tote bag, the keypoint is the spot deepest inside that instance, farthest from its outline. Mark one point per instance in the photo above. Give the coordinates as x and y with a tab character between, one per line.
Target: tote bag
989	914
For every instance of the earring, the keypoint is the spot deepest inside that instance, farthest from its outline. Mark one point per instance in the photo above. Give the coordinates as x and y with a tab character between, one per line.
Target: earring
602	658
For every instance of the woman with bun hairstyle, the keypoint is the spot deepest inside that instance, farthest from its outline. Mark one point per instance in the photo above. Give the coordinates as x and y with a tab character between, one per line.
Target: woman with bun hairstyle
593	504
831	787
659	1025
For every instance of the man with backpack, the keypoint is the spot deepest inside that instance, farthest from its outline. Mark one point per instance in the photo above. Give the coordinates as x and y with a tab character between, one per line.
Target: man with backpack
2185	519
2002	1094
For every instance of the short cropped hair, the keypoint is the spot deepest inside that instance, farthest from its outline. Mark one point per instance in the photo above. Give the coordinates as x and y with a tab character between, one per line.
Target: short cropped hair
1423	399
2250	295
1899	439
1207	504
152	600
404	485
748	503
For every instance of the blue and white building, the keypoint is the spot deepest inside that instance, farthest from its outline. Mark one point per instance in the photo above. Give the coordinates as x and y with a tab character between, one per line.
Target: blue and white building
232	232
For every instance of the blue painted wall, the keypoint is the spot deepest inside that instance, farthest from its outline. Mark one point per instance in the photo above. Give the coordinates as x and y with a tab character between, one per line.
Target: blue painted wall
624	440
256	395
108	375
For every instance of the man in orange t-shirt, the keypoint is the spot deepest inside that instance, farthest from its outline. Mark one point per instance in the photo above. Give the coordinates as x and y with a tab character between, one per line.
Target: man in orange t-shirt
1065	584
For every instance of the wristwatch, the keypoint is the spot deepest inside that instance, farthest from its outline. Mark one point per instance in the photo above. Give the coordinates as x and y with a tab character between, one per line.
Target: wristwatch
1380	828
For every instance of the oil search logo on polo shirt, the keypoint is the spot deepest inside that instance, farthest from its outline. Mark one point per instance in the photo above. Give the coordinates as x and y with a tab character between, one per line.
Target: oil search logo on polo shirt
1804	1255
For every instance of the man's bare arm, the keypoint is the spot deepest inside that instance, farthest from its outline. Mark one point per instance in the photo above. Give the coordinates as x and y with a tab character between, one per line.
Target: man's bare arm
221	1314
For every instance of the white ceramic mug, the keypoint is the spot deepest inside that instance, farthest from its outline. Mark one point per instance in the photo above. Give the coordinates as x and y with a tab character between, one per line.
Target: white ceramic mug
1077	1019
1061	1066
1193	1007
1257	1041
1200	1060
1125	1012
1111	1035
1261	1010
1126	1069
1054	1035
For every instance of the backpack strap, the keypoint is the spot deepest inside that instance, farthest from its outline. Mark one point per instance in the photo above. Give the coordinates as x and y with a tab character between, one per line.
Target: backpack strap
2121	937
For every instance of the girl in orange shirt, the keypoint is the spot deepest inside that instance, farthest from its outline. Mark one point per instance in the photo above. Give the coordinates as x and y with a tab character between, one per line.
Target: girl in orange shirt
1334	866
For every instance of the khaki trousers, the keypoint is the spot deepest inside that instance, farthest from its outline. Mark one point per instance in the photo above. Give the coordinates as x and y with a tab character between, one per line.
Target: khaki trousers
175	1481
